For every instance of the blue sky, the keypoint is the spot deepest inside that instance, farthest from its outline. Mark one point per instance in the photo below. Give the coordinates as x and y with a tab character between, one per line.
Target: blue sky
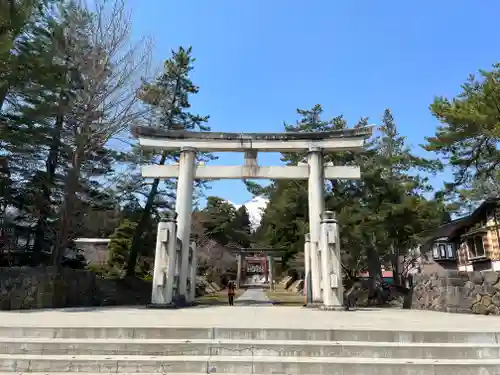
257	61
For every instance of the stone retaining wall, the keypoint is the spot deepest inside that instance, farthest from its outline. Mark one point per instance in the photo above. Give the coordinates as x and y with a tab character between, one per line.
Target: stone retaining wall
45	287
461	292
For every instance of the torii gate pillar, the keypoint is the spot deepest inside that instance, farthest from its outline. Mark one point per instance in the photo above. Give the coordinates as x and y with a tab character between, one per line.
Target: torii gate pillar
316	191
184	208
238	271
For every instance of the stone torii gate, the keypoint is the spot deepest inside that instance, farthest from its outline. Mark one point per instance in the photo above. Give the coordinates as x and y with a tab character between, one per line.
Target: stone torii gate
187	170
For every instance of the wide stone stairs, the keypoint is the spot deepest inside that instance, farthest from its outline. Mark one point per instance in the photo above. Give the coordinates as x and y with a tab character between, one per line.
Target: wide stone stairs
245	351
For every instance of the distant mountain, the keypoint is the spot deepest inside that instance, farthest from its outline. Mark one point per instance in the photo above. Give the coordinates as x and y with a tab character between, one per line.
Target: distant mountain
255	208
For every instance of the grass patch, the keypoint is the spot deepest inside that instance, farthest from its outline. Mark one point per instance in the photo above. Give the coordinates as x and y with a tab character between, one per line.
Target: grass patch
280	296
219	298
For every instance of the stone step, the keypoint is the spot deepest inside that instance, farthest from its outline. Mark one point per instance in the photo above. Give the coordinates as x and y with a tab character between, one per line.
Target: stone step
251	334
282	348
243	365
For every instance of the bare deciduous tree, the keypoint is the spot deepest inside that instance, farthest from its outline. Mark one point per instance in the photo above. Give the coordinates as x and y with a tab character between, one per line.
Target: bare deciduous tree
108	68
212	256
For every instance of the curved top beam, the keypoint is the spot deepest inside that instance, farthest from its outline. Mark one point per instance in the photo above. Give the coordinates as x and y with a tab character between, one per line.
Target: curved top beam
337	140
152	132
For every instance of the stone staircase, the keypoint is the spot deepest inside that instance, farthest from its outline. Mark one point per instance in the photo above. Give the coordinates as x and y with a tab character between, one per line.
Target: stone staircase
245	351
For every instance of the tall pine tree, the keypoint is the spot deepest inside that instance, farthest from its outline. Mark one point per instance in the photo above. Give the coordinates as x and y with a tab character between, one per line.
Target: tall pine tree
469	135
379	215
242	228
217	219
168	99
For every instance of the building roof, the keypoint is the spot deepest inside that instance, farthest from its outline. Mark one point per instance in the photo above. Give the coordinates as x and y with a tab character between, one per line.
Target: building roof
446	230
488	203
94	241
449	229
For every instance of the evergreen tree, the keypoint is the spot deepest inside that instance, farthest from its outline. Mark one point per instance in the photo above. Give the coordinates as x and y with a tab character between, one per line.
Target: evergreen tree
217	219
379	215
285	220
34	114
49	104
222	223
21	23
119	248
242	228
64	94
470	134
168	99
393	189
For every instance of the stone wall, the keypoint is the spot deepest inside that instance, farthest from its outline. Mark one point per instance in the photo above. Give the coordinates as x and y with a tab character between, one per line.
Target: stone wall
461	292
44	287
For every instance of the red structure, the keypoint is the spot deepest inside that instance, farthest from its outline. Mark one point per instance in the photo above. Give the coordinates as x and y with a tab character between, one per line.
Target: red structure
256	261
255	265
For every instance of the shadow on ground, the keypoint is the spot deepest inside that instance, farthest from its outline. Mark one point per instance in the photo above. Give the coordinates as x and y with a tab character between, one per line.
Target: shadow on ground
77	309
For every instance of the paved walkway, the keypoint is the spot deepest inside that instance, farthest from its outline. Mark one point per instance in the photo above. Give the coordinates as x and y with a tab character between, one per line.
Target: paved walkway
253	317
253	296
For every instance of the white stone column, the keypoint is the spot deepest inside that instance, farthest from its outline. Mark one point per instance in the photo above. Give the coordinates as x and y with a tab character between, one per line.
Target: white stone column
270	265
165	262
184	208
177	268
266	269
316	207
307	268
238	271
192	276
337	266
330	262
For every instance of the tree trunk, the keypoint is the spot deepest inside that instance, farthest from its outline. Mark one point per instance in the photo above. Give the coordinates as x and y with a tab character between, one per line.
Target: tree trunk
51	165
72	183
374	265
142	224
396	266
3	94
146	213
42	227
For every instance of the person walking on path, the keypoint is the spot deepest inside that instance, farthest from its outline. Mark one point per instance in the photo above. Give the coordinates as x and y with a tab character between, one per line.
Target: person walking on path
230	293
